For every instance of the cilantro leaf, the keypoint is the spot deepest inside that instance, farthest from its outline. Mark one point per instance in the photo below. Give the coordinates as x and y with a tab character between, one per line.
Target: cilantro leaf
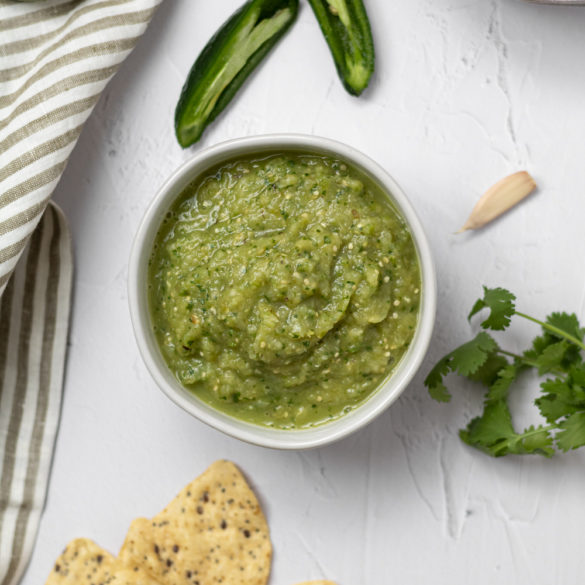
560	326
577	375
567	323
466	360
434	380
549	354
501	304
552	357
493	433
572	434
506	376
470	356
535	440
563	396
539	344
488	373
558	400
487	431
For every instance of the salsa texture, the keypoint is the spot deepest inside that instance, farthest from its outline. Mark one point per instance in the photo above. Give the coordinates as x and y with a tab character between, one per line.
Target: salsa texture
283	290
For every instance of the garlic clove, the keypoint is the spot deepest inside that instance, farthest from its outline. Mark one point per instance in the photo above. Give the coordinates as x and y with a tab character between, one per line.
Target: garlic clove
498	199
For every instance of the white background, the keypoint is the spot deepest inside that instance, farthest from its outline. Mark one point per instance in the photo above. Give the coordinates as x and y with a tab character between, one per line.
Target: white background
465	92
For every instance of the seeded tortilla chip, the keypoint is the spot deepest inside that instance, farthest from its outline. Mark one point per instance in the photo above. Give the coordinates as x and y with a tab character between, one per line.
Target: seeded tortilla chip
83	562
213	532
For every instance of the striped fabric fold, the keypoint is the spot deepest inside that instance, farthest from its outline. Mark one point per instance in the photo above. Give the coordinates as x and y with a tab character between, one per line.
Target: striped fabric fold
34	317
56	57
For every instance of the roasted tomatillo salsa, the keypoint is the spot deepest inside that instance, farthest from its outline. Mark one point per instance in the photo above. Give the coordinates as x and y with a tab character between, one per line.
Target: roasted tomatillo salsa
283	290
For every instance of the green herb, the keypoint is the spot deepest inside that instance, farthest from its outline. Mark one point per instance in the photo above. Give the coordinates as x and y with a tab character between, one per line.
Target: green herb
346	29
557	354
226	62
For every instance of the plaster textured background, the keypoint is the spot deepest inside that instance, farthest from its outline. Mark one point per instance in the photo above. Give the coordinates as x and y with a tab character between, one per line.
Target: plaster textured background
466	91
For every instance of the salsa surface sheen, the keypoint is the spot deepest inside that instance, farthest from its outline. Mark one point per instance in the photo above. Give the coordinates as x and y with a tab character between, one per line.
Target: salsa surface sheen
283	290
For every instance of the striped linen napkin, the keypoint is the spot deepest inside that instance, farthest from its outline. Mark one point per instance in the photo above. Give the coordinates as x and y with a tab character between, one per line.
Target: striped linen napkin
34	318
56	57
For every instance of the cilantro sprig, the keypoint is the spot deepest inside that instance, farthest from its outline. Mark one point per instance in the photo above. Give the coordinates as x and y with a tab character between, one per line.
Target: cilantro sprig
557	354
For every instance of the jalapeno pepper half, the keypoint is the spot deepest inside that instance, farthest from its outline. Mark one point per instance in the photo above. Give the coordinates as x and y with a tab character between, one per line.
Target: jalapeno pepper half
346	28
227	60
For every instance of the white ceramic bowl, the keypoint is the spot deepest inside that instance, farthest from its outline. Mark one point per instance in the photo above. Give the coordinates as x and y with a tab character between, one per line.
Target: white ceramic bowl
276	438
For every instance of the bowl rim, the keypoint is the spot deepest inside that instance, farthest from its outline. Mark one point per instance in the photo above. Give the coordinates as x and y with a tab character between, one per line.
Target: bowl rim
327	432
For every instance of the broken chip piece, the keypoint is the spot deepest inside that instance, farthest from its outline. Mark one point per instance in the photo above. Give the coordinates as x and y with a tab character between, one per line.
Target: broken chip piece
83	562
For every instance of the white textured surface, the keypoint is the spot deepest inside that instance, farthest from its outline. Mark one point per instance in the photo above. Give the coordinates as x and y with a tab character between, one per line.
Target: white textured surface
466	91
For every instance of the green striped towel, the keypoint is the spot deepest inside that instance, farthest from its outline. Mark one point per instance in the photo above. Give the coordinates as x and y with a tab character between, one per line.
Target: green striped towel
56	56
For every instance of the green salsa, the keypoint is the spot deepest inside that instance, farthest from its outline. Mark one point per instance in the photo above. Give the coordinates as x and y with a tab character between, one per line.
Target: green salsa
283	289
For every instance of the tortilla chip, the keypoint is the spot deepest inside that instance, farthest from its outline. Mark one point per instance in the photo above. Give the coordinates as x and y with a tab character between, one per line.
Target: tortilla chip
213	532
82	562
